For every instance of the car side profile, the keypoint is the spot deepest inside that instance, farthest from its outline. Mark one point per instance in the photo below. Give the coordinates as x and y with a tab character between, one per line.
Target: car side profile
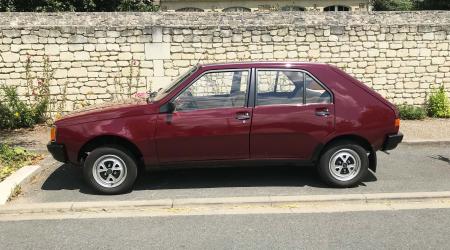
236	113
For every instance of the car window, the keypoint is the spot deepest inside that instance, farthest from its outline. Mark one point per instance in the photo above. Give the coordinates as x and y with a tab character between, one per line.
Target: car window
315	93
221	89
163	92
279	87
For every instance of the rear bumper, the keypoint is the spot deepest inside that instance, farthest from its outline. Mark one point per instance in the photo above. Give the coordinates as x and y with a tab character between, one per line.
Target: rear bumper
58	151
392	141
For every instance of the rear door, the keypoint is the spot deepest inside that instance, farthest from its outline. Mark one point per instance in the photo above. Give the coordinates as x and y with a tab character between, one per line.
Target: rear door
211	120
293	113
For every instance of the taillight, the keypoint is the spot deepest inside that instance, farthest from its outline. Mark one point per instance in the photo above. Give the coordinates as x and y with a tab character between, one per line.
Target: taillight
53	133
397	122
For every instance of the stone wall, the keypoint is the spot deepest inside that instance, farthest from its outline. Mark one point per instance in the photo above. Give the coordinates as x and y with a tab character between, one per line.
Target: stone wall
399	54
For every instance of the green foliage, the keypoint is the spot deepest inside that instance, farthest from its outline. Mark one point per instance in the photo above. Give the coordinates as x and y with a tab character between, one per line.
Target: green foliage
432	4
76	5
439	104
15	113
410	112
33	109
404	5
393	5
13	158
136	5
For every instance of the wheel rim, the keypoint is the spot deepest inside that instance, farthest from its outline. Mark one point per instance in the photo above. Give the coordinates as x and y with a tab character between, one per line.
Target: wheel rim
345	164
109	171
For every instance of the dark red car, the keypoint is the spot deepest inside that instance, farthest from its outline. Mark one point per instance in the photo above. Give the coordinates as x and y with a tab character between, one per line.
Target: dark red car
223	114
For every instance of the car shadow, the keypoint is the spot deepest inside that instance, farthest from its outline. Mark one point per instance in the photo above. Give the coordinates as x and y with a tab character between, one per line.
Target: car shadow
68	177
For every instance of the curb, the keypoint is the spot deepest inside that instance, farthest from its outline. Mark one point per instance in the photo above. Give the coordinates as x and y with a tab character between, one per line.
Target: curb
426	142
19	177
271	201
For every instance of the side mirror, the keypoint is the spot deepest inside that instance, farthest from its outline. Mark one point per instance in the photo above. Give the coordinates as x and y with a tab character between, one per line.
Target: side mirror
167	108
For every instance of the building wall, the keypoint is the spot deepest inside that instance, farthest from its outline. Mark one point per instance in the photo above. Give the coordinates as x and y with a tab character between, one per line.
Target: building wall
262	5
400	55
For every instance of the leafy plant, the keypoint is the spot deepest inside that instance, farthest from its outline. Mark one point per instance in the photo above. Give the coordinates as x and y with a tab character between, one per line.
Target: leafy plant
34	108
137	5
77	5
13	158
393	5
15	113
438	104
127	86
15	192
410	112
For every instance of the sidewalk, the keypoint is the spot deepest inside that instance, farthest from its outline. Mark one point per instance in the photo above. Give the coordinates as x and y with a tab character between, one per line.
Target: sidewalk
428	130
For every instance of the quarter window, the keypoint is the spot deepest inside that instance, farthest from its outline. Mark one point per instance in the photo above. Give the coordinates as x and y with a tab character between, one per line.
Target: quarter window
215	90
315	93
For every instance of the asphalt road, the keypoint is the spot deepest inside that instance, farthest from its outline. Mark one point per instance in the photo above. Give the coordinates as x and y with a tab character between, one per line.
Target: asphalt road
407	229
406	169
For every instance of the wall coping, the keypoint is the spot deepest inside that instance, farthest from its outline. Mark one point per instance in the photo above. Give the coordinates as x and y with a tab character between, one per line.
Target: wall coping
211	19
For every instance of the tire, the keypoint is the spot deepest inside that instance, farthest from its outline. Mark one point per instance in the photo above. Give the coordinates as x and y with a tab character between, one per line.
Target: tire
343	164
110	170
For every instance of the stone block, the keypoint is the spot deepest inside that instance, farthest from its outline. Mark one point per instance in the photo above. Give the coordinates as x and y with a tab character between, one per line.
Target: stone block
9	57
52	49
77	72
157	51
158	67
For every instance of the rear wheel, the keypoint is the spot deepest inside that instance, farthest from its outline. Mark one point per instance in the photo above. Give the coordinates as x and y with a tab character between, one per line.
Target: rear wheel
343	164
110	170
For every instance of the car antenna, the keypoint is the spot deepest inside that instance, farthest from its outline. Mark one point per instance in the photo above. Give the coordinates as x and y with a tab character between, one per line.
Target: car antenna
201	58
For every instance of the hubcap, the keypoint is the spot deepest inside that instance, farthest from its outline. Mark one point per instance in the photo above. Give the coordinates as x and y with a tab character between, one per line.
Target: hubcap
345	164
109	171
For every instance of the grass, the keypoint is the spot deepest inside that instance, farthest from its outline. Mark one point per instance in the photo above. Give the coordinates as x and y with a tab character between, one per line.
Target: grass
13	158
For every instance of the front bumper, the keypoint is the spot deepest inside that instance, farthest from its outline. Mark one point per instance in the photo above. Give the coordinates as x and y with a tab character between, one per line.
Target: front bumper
58	151
392	141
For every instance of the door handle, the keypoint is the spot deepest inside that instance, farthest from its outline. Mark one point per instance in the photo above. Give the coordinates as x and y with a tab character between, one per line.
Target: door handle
322	112
243	116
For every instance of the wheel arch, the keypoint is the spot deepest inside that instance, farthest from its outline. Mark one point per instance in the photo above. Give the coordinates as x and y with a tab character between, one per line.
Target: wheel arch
349	137
105	140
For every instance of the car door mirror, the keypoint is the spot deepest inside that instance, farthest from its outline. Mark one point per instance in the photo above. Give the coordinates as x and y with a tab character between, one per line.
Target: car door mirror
167	108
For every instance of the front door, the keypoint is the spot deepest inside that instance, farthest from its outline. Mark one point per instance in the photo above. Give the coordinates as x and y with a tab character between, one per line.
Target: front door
211	120
293	113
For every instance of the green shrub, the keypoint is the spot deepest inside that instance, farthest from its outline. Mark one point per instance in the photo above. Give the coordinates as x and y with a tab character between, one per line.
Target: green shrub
77	5
393	5
15	113
13	158
439	104
410	112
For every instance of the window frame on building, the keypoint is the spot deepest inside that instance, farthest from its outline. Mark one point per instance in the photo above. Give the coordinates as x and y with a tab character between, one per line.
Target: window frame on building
189	9
236	9
336	8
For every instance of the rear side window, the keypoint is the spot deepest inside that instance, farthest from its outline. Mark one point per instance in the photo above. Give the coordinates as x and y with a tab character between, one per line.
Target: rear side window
279	87
288	87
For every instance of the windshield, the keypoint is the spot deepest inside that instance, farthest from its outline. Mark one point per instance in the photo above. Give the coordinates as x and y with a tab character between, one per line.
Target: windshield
164	91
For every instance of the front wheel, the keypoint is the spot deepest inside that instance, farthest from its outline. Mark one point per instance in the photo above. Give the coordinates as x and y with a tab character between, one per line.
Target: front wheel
110	170
343	164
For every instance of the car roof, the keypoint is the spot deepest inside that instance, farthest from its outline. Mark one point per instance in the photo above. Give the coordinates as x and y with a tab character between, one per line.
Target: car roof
268	64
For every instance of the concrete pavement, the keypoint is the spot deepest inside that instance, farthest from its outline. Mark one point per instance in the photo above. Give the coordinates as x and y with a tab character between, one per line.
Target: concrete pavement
226	205
406	229
410	168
